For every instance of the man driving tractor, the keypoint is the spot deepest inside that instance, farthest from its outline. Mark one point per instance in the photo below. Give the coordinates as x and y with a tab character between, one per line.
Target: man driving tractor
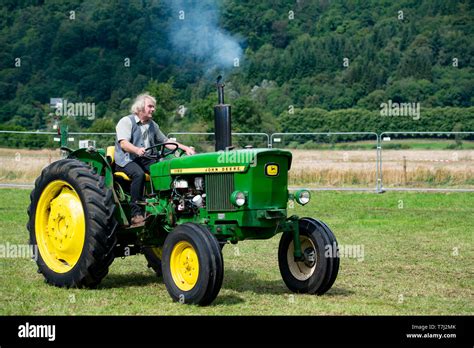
136	133
79	215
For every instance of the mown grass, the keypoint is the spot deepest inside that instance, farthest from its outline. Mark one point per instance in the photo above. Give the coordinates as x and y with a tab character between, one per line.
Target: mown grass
418	260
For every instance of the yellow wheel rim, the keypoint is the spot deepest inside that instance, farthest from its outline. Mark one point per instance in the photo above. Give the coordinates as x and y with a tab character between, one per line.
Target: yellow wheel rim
184	265
60	226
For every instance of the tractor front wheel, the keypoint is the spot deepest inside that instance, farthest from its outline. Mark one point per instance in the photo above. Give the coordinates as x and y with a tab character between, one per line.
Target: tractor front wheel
193	268
318	271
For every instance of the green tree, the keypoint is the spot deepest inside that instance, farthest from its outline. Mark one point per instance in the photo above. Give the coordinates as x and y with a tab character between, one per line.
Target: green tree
103	125
246	116
166	104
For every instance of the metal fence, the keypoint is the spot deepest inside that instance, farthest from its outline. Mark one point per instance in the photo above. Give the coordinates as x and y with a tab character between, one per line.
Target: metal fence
204	142
445	163
441	161
331	155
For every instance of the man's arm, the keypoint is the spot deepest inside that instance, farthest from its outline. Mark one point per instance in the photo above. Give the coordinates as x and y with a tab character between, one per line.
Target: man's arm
124	135
189	151
161	138
129	147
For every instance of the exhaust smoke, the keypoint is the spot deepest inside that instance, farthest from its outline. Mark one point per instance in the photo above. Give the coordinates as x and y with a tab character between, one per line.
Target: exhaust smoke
194	31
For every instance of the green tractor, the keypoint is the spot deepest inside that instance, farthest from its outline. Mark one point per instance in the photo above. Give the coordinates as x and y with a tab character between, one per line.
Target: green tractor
79	217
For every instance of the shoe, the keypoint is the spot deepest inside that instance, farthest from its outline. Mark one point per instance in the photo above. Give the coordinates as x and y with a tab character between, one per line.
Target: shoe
138	221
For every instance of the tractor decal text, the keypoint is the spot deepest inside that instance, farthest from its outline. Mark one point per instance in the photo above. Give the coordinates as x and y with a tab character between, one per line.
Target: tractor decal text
232	169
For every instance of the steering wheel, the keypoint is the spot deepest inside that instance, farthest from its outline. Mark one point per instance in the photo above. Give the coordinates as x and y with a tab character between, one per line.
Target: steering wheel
161	151
181	152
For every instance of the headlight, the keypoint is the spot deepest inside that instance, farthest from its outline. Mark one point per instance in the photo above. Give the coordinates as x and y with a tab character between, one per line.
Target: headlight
302	196
238	198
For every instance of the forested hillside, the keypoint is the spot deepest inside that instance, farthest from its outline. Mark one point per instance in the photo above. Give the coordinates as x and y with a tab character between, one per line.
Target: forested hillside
299	61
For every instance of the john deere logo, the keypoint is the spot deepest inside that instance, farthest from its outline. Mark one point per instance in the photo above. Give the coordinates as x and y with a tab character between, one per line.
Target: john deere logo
271	169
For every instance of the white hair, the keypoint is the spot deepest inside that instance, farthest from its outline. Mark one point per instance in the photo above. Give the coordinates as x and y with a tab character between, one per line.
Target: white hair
139	102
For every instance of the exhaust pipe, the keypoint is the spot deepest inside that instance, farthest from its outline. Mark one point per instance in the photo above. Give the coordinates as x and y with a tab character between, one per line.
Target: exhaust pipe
222	120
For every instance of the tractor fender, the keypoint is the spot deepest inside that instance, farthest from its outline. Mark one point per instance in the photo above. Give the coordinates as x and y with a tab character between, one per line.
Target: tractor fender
97	161
102	167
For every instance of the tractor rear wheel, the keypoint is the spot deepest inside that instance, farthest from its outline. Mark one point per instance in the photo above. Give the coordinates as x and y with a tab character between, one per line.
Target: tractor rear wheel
317	273
71	224
193	267
153	256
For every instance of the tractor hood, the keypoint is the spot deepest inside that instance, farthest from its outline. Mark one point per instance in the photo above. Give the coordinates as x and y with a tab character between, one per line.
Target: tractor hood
235	161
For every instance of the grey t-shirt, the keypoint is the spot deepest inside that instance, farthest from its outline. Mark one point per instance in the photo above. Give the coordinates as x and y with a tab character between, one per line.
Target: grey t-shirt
124	131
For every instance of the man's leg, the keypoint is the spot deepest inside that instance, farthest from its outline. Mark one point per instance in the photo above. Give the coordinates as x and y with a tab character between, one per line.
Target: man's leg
137	175
145	163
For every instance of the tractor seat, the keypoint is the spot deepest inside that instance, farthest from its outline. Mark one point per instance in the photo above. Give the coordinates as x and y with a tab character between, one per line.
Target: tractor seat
111	158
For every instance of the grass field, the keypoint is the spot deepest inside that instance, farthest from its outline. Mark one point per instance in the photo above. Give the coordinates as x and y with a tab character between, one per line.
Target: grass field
418	260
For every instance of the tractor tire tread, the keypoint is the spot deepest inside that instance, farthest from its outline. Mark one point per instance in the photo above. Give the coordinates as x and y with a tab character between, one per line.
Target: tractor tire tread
100	239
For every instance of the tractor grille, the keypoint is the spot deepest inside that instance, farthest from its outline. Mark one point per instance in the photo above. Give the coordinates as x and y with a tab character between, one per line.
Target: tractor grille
219	187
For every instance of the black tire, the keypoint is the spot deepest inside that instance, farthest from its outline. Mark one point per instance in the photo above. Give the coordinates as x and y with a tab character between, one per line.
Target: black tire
209	278
309	277
335	258
96	253
154	260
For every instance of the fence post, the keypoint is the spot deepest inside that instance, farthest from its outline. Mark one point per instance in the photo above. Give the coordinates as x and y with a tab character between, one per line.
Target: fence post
379	186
